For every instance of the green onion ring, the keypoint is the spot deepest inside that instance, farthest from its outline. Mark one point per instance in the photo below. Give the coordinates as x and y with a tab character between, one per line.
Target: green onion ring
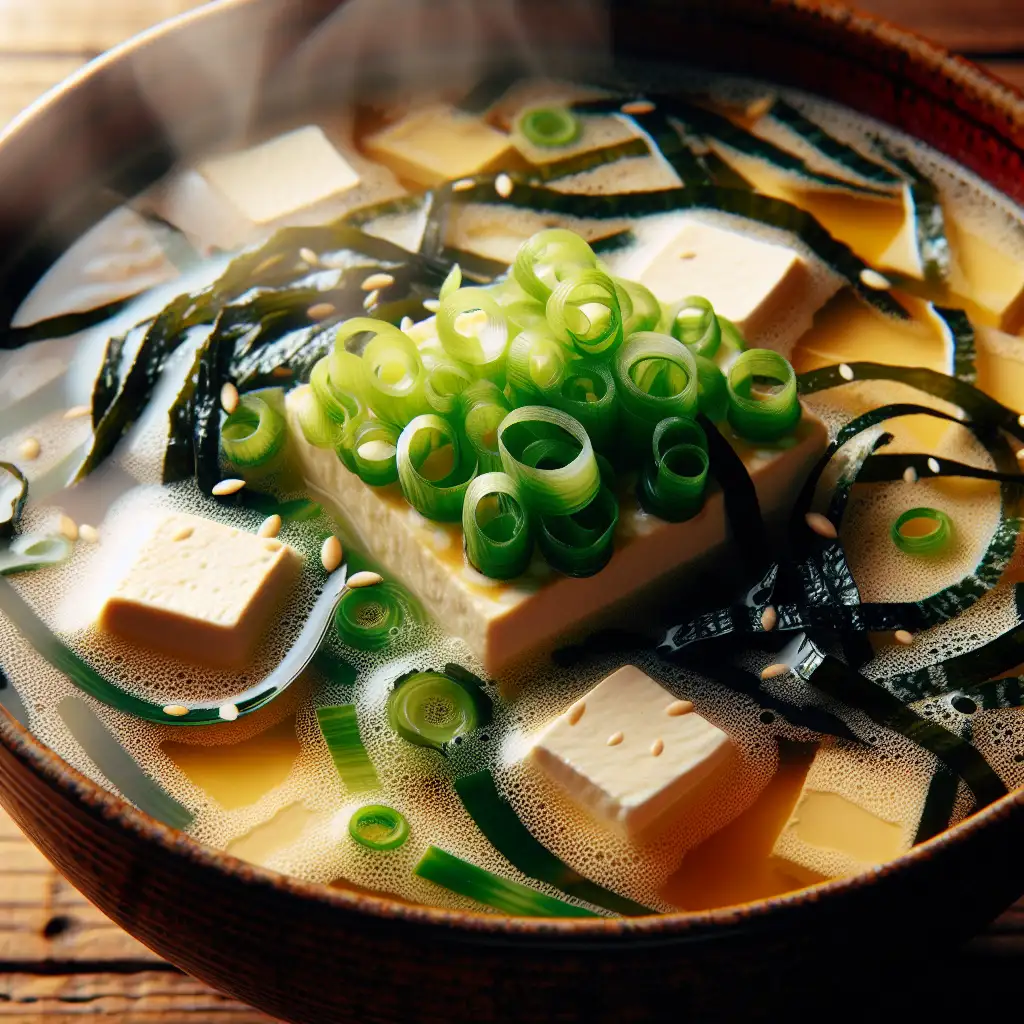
584	310
550	127
485	352
368	617
445	381
339	727
375	452
317	427
559	491
702	333
253	434
771	416
581	544
378	827
535	365
482	407
500	547
650	363
547	257
673	485
452	283
588	394
395	378
932	543
436	499
713	396
433	709
640	309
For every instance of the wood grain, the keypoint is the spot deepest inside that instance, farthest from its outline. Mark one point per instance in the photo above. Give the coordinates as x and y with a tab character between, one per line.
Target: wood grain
59	956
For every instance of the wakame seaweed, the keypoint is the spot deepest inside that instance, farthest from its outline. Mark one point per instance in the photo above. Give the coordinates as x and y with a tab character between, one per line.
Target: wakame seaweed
59	326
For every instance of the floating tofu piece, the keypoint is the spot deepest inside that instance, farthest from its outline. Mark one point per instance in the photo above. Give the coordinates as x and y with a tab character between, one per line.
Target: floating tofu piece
280	176
852	814
1000	363
991	277
626	754
438	143
201	591
762	287
502	622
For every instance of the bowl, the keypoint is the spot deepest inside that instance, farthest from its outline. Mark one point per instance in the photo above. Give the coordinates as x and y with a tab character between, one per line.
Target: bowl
308	953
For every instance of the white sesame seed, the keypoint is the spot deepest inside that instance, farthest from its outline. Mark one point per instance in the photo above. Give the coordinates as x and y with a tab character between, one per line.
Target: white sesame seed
637	107
229	712
270	527
874	280
431	305
331	554
903	636
772	671
575	713
364	579
89	533
377	281
657	747
371	300
68	527
504	186
406	324
308	256
845	371
229	398
910	475
821	526
183	533
463	185
1020	454
679	707
933	465
1020	420
689	254
769	619
176	710
226	487
615	739
30	448
320	311
76	412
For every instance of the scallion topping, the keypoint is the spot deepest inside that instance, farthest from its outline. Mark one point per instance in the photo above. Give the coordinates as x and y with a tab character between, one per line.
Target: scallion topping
535	365
713	392
584	311
253	434
395	379
693	322
547	258
340	728
550	127
378	827
434	467
763	402
580	544
446	380
473	329
482	406
434	709
496	528
675	478
317	427
33	552
640	309
368	618
375	452
922	531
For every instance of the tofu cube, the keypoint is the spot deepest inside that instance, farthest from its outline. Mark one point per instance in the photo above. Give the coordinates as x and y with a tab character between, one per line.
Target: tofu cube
627	755
438	143
282	175
201	591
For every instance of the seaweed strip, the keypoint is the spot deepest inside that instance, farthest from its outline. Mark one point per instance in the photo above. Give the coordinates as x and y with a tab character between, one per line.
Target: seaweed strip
480	268
498	821
60	326
960	341
363	215
214	369
179	453
938	806
104	390
435	228
591	159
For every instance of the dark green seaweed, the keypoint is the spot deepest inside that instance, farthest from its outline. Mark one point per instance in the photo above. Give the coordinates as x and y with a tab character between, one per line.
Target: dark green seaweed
962	343
591	159
13	495
938	806
108	380
59	326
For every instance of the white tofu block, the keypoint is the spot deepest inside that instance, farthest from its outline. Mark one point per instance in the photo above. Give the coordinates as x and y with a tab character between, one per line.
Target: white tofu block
436	144
201	591
282	175
625	754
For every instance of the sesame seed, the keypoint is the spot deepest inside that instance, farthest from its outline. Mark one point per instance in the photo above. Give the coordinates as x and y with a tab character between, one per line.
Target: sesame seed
910	475
903	636
183	533
331	554
229	398
229	712
89	533
364	579
657	747
679	707
320	311
431	305
1020	420
846	371
637	107
176	710
772	671
463	185
308	256
371	300
688	255
68	527
1020	454
270	527
377	281
504	186
821	526
933	465
575	713
615	739
407	324
76	412
769	619
226	487
874	280
29	448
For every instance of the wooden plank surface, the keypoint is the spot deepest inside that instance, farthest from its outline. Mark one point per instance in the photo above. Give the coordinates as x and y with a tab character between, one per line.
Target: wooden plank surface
59	956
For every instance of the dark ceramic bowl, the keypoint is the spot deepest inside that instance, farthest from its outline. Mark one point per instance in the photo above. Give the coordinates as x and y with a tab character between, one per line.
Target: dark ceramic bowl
308	953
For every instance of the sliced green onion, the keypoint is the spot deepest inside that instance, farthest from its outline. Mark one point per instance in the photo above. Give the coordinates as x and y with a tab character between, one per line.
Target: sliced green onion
13	495
584	310
496	527
581	544
588	394
482	407
434	469
535	365
452	283
550	483
700	331
368	618
641	310
33	552
483	350
434	709
757	412
340	404
550	127
446	380
395	379
459	876
675	478
731	334
253	434
375	452
713	392
340	728
914	541
527	315
547	257
317	427
378	827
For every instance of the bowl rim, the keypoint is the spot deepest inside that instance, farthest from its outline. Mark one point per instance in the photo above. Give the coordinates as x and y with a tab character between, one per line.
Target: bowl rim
680	925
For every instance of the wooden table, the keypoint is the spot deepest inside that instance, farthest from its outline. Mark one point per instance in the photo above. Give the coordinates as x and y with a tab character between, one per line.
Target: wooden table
59	956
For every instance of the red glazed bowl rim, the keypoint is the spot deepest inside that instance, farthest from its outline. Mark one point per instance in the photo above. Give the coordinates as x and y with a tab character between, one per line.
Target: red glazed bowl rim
122	816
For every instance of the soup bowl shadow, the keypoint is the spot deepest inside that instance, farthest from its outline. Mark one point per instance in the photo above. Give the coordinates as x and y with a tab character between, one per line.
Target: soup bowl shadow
308	953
